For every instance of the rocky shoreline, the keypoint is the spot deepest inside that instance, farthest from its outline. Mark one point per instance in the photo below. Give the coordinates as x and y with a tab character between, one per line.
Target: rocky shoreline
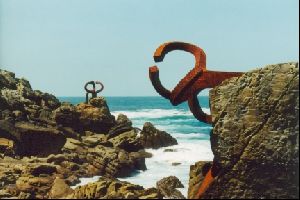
46	145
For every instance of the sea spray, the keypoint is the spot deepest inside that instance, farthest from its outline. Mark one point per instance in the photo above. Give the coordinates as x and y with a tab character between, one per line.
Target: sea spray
192	136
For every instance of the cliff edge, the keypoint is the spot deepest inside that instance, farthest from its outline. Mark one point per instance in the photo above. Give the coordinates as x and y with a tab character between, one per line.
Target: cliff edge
255	136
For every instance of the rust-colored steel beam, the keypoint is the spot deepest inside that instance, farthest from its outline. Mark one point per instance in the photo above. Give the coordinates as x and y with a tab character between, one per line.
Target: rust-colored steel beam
196	80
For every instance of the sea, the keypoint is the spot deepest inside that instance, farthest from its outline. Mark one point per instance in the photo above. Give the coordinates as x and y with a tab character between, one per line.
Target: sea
193	137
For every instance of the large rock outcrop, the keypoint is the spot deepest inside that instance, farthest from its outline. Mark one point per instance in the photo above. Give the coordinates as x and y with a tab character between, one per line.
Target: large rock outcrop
167	187
255	136
46	145
25	118
151	137
94	116
106	188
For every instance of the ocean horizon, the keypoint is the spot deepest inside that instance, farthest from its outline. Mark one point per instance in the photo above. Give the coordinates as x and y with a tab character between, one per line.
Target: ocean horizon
193	136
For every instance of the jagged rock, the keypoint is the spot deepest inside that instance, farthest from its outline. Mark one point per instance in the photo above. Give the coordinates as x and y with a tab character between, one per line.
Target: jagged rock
37	186
7	147
123	124
97	139
7	80
197	174
114	162
151	137
32	139
45	145
42	169
67	115
106	188
123	119
127	141
95	117
17	94
73	145
255	137
59	189
167	187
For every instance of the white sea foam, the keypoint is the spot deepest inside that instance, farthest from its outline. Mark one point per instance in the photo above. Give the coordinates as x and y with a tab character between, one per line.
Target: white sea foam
187	152
160	165
189	135
156	113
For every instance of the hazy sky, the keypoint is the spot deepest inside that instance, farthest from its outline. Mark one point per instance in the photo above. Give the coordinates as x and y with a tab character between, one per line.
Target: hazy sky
60	44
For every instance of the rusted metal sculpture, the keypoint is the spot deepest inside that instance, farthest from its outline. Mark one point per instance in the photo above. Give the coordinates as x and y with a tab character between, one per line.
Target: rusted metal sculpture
93	91
196	80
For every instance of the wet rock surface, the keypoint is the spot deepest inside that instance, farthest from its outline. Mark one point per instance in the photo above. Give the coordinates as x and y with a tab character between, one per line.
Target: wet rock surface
255	137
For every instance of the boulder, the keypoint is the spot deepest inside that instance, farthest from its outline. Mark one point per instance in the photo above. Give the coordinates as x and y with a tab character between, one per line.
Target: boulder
17	95
95	116
150	137
123	124
59	189
127	141
67	116
106	188
255	136
167	187
32	139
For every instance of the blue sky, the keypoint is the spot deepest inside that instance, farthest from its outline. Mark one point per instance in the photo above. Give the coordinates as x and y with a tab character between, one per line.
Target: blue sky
60	44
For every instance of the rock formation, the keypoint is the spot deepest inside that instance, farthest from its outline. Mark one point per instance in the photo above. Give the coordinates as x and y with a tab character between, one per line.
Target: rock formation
167	187
106	188
255	136
154	138
46	146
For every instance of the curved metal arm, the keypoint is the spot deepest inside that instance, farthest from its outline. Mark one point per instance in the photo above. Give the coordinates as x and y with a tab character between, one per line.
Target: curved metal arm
93	91
196	80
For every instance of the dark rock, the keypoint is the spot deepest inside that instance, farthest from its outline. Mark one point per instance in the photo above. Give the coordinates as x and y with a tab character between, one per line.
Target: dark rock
151	137
67	116
170	150
176	163
123	119
31	139
127	141
167	187
7	147
43	169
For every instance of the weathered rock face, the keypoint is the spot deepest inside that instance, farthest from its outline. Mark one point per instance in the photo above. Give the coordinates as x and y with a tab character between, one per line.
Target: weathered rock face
16	95
255	137
24	117
106	188
167	187
197	174
95	116
46	146
151	137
